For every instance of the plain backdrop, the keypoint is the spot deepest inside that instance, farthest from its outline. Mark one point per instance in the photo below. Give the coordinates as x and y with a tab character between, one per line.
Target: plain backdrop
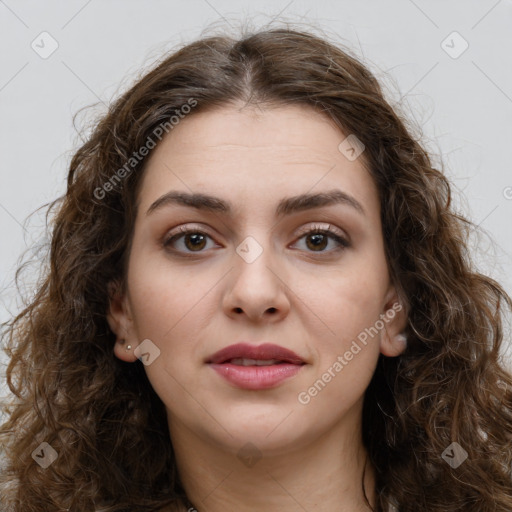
447	63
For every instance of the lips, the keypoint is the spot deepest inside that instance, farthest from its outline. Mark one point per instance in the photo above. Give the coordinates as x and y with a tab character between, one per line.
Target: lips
253	367
265	352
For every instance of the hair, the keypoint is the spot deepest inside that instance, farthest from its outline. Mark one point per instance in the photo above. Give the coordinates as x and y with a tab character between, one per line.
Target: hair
101	415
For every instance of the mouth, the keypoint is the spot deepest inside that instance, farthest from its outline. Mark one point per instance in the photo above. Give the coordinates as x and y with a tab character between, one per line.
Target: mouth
239	361
253	367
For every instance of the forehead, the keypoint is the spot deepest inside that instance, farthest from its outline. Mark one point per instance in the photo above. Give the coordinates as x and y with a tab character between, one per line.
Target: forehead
255	155
250	125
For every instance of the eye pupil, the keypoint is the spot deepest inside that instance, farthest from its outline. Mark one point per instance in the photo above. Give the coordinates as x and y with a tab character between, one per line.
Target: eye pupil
319	240
195	237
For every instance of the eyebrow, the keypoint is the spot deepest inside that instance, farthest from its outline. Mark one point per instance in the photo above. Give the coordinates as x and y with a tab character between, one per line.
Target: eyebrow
286	206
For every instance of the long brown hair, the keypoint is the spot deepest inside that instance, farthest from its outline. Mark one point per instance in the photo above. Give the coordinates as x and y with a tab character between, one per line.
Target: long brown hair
101	415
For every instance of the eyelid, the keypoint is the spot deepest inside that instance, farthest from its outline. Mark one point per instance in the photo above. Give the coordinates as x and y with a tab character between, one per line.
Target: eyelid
184	229
325	226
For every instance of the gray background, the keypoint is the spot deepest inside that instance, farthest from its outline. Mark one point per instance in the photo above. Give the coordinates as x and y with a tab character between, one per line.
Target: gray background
462	102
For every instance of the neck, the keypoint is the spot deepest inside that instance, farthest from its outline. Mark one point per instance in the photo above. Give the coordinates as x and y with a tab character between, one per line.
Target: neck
325	474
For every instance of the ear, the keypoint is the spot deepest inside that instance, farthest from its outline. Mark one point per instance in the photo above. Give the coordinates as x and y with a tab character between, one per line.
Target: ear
120	320
392	340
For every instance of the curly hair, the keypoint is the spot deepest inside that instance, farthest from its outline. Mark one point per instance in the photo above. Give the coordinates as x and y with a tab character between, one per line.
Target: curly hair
102	416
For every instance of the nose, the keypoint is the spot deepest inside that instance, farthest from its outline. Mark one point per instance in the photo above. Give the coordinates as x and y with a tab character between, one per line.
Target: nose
257	285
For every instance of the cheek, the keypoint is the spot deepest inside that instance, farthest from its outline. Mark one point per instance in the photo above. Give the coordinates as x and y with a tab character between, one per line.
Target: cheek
169	308
346	348
175	308
349	302
168	305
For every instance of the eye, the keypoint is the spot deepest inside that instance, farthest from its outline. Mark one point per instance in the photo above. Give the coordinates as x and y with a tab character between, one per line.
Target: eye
194	240
317	239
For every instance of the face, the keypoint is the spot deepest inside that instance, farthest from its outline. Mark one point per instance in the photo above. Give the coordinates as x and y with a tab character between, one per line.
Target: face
258	267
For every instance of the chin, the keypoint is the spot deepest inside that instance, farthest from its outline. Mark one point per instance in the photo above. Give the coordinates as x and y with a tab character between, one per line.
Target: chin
272	429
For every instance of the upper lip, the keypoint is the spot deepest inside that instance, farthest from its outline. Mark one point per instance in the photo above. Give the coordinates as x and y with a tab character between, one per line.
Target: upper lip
264	352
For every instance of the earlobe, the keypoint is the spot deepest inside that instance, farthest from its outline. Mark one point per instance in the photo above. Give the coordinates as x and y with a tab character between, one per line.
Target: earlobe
124	351
120	322
392	346
393	341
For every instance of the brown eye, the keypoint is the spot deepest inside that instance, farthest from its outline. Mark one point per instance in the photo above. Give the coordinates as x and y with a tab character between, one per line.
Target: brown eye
194	241
191	240
318	239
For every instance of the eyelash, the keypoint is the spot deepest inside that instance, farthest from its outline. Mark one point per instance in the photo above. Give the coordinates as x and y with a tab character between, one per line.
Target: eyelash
343	242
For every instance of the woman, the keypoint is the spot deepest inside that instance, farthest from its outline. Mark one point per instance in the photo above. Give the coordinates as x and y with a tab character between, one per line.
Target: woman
259	298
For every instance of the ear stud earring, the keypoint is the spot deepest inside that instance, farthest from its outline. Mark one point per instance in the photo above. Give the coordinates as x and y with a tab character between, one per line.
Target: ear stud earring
402	338
128	347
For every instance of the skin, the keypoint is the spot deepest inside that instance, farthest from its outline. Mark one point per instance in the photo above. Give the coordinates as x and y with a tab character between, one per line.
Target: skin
312	301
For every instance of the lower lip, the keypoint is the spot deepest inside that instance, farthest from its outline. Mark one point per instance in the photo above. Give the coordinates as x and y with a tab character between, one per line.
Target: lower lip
256	377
